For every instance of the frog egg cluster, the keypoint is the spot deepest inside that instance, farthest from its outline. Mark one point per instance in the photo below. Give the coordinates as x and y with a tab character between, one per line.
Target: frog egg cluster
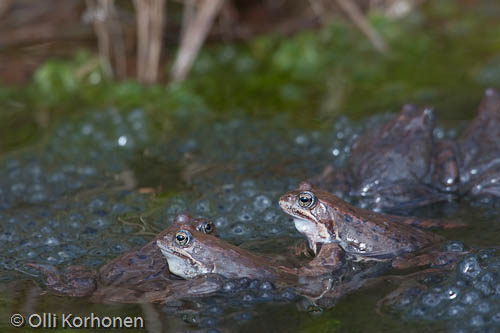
57	202
256	148
469	298
101	136
234	301
255	162
241	211
64	187
61	203
79	155
29	179
67	232
60	206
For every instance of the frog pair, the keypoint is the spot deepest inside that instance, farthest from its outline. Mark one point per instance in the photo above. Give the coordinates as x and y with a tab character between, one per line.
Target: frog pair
334	230
332	227
407	162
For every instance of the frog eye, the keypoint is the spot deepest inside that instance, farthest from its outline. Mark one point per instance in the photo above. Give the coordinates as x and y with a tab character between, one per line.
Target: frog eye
183	237
307	199
206	227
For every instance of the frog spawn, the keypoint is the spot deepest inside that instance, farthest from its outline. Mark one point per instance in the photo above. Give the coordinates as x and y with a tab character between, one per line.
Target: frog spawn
234	207
468	299
54	228
80	236
52	178
245	190
234	300
233	198
66	164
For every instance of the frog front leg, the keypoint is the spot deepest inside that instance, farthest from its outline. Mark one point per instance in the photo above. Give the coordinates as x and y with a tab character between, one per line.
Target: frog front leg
329	259
446	175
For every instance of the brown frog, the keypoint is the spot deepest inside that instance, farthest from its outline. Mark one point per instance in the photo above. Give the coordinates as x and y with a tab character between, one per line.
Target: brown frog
400	165
192	253
365	235
479	149
393	167
122	279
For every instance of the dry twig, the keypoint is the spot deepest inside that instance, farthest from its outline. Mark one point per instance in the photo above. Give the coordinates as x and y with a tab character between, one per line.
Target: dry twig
150	21
109	36
194	36
355	14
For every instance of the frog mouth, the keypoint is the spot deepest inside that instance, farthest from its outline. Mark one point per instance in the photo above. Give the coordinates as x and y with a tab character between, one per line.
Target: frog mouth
297	214
182	255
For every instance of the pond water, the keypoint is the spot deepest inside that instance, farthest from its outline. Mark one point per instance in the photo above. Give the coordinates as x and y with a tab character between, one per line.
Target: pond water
106	179
75	199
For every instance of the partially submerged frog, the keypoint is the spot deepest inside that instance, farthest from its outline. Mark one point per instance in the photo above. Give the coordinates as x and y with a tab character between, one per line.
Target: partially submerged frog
392	166
400	165
141	270
192	253
479	149
364	235
147	263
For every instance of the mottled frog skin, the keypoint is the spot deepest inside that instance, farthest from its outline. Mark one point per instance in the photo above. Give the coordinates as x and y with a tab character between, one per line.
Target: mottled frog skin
126	277
324	218
401	165
147	263
191	254
391	166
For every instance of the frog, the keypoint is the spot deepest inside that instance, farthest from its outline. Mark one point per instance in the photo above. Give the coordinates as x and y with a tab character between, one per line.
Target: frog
126	277
331	225
192	253
478	155
147	263
402	165
394	167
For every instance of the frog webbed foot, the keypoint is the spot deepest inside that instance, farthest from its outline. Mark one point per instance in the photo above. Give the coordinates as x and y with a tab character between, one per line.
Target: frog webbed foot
75	281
